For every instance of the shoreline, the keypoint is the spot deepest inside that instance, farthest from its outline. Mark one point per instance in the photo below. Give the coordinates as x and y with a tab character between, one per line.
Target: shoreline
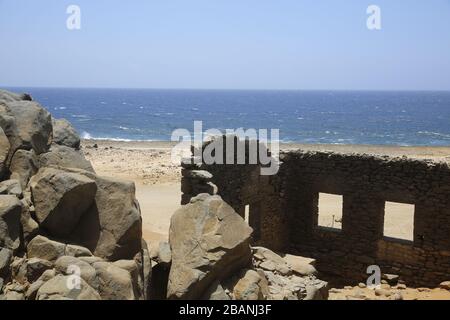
435	153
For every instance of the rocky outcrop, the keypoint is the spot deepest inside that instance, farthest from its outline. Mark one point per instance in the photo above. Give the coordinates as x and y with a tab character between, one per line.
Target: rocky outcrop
64	134
209	242
59	221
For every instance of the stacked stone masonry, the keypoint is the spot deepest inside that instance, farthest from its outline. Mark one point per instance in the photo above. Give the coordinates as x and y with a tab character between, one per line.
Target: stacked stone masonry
283	210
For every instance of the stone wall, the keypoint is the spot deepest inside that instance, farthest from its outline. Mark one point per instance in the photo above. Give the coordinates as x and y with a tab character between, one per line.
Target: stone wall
284	210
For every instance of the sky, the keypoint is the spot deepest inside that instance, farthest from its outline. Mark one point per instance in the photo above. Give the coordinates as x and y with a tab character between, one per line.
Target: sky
226	44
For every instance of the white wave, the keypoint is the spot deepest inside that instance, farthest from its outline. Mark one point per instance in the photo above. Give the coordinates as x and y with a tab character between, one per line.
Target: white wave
86	135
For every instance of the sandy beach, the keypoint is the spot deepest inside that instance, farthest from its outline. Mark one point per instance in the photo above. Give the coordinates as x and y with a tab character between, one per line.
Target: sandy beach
157	179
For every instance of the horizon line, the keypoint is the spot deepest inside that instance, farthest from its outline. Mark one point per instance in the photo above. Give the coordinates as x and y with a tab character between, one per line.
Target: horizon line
221	89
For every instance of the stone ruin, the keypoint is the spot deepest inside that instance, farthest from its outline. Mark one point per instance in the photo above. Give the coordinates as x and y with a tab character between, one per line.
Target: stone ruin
283	209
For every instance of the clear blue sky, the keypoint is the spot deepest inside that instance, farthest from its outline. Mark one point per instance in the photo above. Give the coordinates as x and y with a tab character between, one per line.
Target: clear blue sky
241	44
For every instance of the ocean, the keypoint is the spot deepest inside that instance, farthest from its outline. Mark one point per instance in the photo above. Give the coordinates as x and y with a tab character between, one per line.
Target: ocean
329	117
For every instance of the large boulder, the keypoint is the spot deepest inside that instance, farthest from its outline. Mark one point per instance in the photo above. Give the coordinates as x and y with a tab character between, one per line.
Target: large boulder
209	242
10	228
64	157
64	134
27	126
23	166
112	227
115	283
60	199
4	151
44	248
61	288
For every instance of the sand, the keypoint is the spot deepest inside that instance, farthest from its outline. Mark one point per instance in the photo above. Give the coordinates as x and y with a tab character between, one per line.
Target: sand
158	189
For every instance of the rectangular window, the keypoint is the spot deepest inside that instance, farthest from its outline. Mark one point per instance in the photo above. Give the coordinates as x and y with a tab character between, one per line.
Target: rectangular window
330	210
399	221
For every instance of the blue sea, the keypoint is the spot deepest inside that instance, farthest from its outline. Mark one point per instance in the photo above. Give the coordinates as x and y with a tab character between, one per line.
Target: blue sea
336	117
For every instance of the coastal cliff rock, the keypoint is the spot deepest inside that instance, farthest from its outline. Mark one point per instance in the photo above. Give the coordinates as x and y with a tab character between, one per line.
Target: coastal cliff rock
57	215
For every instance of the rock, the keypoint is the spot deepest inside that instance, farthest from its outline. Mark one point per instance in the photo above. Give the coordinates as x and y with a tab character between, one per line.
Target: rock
301	265
44	248
18	269
391	279
33	290
198	174
216	292
61	288
132	267
397	296
5	260
23	166
14	291
209	242
383	292
91	260
64	134
30	228
145	264
250	286
112	227
11	187
317	292
68	265
8	96
36	267
164	253
60	198
270	261
10	228
77	251
27	126
401	286
64	157
4	151
115	283
445	285
14	296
